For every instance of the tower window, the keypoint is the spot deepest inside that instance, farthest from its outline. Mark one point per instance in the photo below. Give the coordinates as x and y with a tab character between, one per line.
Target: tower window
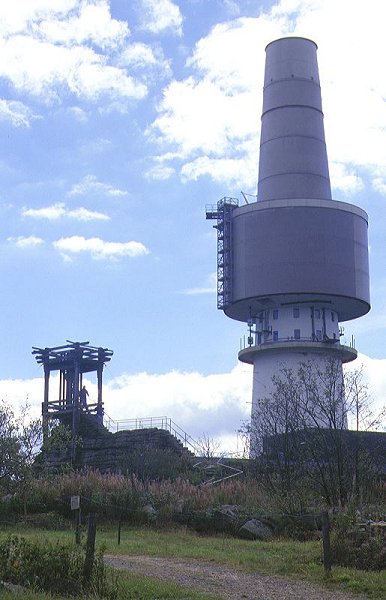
275	314
332	317
297	334
318	334
317	313
296	313
275	336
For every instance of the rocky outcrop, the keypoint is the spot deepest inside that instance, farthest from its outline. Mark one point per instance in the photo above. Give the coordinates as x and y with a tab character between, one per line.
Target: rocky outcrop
111	452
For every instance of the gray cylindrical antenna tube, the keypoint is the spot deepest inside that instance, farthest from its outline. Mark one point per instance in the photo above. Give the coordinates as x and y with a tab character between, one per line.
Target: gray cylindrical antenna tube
293	156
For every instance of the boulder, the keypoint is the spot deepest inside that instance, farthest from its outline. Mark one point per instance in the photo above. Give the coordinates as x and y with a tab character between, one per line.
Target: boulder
219	519
255	530
148	512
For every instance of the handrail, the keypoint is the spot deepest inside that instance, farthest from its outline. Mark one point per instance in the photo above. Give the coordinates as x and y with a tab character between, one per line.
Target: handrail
162	422
129	424
67	406
244	341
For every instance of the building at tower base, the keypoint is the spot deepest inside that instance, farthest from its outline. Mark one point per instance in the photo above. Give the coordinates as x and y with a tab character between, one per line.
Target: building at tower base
294	264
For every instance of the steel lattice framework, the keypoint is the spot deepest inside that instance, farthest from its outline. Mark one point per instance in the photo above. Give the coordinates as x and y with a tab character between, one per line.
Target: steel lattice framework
223	214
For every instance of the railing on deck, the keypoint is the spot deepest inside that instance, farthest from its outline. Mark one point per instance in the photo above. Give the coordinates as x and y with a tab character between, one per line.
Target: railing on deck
150	422
249	341
63	406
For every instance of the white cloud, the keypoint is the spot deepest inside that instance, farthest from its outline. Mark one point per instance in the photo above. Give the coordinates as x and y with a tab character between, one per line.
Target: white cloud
214	405
79	114
98	249
83	214
59	211
16	112
379	179
51	213
26	242
71	46
148	61
199	116
91	185
207	117
91	23
160	172
345	178
137	55
15	16
374	376
210	288
16	393
231	171
161	15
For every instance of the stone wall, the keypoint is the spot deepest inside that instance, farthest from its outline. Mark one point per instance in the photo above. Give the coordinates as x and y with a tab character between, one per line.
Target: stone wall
110	452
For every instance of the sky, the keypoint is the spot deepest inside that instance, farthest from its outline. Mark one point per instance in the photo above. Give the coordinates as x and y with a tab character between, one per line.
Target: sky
120	120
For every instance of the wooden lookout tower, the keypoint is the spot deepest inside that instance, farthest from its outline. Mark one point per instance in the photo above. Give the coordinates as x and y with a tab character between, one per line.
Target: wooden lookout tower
72	361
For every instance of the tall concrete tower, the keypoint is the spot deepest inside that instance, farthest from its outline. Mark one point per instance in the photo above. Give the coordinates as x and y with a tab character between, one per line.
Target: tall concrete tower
293	264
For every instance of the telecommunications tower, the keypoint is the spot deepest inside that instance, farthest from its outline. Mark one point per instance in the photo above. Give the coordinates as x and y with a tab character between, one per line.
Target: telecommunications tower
294	264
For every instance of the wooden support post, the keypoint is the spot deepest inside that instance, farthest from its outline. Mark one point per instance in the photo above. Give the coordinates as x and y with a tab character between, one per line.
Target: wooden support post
75	405
99	381
45	403
90	549
326	543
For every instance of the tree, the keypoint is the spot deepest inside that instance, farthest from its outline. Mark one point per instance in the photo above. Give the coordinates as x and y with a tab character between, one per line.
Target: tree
20	440
300	433
273	443
365	419
207	447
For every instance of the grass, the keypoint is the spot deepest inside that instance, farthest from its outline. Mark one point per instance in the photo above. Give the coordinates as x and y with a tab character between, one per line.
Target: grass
280	557
131	587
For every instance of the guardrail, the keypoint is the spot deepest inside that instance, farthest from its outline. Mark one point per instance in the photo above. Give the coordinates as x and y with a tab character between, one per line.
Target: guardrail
251	341
150	422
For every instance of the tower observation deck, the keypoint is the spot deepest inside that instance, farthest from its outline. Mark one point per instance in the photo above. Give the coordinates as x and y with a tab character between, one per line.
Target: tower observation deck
72	361
297	264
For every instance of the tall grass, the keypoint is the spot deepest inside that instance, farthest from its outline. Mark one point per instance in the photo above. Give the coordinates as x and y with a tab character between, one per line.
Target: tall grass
114	496
117	496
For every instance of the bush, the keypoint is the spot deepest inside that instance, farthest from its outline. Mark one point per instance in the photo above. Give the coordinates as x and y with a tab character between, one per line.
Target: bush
356	546
56	568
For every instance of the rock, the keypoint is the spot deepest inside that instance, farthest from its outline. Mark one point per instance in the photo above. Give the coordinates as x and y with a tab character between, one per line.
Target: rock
8	498
255	530
12	587
149	512
229	511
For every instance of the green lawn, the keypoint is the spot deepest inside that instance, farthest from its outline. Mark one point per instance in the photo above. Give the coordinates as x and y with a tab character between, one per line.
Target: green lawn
287	558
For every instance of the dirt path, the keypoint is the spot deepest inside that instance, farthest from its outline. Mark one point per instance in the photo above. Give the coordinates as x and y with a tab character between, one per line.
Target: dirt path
225	582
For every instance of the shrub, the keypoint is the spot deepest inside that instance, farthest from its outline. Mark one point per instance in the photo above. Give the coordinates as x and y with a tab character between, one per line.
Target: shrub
56	568
356	546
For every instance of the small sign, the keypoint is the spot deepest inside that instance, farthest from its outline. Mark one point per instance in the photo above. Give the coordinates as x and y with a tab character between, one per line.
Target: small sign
75	502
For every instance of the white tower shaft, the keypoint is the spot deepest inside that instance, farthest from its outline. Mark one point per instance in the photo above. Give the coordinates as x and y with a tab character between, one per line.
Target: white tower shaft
294	264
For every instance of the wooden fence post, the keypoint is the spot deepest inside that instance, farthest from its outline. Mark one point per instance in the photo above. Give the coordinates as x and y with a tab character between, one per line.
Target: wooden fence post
90	549
75	506
119	528
326	543
77	526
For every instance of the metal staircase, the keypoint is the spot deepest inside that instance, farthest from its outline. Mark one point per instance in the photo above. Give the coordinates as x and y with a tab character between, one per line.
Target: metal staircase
223	214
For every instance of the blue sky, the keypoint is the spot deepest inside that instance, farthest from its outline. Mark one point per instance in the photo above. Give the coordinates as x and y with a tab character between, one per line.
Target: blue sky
120	120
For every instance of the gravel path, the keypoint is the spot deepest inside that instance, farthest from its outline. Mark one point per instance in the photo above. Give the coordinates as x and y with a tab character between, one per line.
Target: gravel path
225	582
